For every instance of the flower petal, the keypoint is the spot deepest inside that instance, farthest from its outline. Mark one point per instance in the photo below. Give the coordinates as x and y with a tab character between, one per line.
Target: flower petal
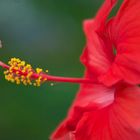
62	133
96	56
118	121
102	14
90	97
125	35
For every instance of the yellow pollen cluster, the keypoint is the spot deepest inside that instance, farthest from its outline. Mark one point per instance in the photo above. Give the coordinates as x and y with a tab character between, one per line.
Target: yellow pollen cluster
20	72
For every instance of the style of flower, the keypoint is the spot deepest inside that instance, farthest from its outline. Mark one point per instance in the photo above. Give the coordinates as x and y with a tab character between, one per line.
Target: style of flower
107	106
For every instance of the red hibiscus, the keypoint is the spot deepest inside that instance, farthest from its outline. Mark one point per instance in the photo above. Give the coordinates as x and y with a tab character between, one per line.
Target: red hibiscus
109	108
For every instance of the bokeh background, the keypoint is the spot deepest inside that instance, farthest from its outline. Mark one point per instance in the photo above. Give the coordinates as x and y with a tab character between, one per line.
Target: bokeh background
47	34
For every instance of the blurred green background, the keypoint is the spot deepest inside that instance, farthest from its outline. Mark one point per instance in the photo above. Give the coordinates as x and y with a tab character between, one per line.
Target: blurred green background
47	34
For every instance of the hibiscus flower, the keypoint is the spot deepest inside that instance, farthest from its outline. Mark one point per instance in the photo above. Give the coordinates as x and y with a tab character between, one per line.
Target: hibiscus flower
109	108
107	104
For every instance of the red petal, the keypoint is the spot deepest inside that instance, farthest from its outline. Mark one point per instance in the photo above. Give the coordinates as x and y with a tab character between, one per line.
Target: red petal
125	32
90	97
62	133
95	55
118	121
102	14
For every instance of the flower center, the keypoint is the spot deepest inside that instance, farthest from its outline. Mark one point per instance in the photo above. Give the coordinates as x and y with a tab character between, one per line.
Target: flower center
114	50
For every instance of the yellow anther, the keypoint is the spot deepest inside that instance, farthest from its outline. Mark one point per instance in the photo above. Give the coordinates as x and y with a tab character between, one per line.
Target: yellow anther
24	70
12	80
29	74
20	72
22	77
6	72
38	70
17	72
22	63
15	68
